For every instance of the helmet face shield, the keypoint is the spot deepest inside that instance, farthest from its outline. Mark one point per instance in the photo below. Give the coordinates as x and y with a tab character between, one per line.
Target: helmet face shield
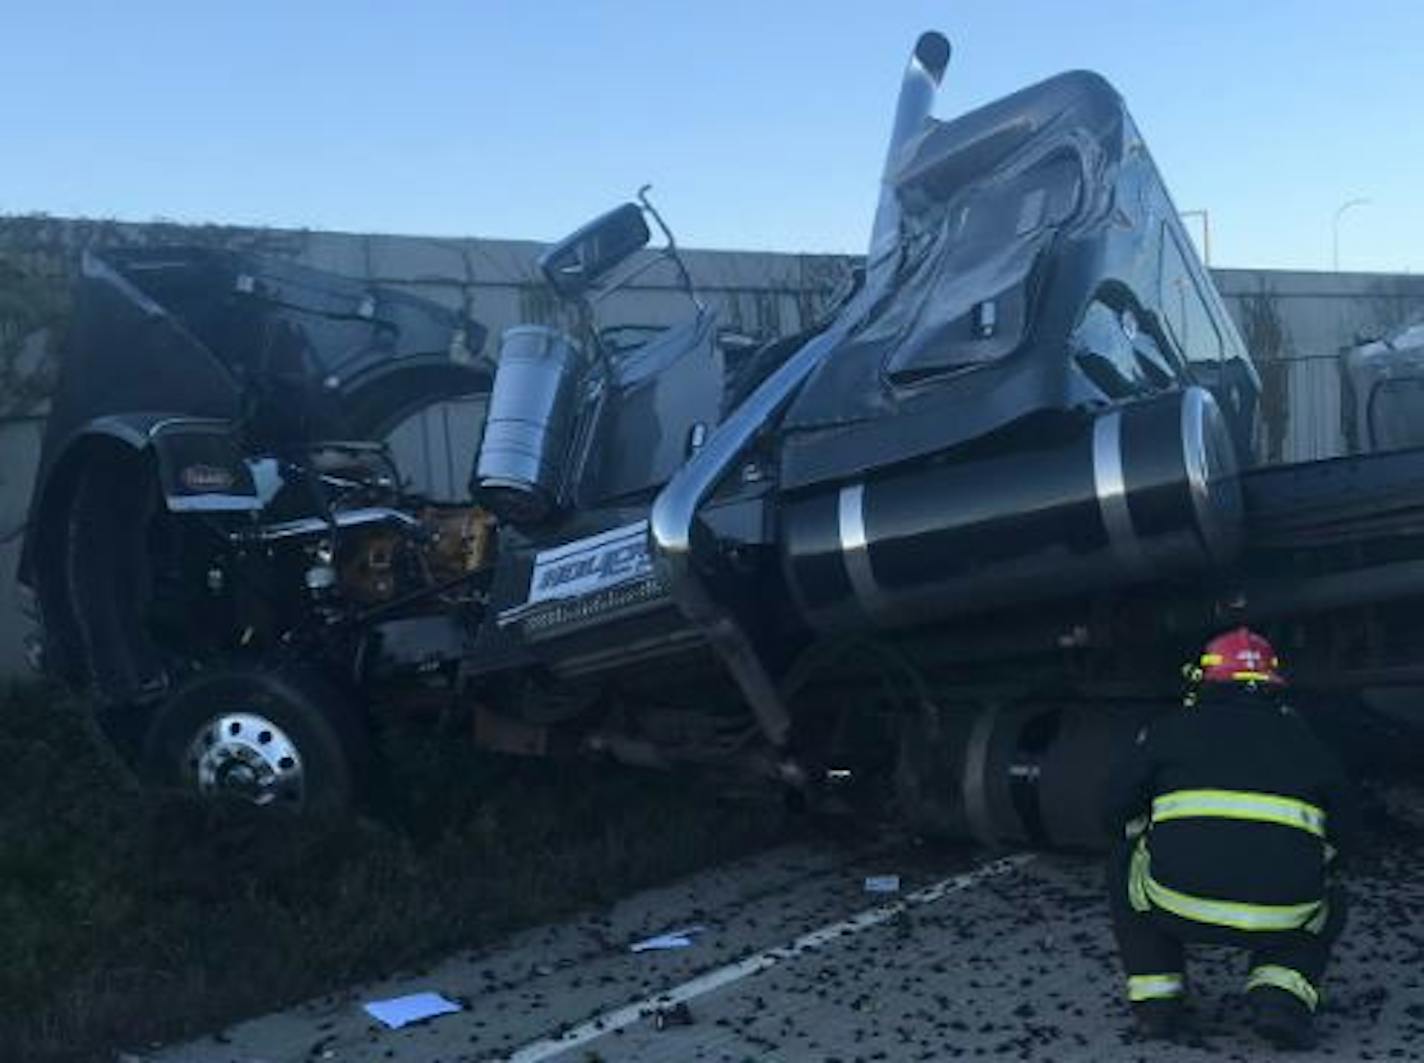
1242	657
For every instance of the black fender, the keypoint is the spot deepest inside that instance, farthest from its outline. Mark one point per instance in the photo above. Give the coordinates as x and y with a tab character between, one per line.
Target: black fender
135	460
199	461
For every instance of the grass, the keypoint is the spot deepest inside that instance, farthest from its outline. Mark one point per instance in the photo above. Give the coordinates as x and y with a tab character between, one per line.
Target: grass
112	899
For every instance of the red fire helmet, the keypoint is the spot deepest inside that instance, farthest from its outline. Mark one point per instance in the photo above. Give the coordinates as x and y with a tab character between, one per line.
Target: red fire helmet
1240	656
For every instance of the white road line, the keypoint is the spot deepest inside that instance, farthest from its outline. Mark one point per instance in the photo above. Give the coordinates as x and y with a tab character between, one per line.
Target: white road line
620	1018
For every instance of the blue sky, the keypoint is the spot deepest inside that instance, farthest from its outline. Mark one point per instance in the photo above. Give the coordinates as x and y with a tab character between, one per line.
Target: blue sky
760	124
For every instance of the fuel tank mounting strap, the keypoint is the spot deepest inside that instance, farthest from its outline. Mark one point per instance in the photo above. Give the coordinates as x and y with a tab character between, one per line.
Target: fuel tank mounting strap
855	548
1111	487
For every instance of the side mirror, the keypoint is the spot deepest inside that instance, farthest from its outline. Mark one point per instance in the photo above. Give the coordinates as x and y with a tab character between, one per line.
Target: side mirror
574	264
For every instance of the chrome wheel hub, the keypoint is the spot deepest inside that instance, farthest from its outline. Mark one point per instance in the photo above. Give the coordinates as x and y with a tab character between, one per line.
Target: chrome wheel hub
245	755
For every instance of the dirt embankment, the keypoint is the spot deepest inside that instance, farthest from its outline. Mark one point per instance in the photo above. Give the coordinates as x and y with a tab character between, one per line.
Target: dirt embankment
126	919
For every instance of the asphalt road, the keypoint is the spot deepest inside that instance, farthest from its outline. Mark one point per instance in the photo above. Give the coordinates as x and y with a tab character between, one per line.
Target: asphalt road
977	957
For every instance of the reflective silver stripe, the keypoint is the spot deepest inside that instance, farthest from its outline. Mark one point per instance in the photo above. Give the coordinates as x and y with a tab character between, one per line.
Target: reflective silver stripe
1234	914
855	548
1142	987
1111	489
1239	804
1293	982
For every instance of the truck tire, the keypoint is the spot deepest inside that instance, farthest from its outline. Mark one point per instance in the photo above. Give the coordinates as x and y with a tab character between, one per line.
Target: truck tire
282	738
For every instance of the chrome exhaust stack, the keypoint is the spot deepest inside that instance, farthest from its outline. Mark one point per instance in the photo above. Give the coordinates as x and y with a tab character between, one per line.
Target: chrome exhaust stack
918	89
675	509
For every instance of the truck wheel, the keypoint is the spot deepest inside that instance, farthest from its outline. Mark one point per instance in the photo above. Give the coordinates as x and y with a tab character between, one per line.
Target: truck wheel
275	739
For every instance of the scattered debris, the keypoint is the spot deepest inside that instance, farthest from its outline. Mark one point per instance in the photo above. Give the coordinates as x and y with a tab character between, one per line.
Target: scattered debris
1404	802
402	1011
882	884
672	939
674	1015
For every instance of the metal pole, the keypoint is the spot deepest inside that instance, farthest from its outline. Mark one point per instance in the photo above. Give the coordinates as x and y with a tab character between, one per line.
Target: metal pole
1335	229
1206	231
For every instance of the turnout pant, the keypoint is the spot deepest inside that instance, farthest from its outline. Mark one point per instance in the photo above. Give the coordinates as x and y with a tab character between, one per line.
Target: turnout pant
1152	944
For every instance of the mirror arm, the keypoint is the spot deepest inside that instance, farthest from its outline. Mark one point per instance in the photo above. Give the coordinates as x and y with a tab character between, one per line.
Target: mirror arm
597	295
671	249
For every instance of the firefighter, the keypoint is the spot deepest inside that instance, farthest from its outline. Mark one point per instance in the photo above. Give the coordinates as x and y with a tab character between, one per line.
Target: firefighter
1232	818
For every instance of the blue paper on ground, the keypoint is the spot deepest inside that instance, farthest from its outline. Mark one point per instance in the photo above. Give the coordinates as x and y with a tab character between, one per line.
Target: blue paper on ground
402	1011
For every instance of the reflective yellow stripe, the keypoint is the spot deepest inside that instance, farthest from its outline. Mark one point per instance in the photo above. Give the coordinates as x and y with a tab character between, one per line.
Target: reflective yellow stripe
1239	804
1137	876
1251	677
1142	987
1210	659
1234	914
1292	982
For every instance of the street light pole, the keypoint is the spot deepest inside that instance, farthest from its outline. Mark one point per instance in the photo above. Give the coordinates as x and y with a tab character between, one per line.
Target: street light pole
1335	228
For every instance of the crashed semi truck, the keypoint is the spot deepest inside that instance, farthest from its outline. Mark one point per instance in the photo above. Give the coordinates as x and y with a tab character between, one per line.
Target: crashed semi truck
930	558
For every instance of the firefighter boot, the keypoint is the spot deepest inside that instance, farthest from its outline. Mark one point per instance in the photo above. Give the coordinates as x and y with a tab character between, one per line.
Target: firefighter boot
1158	1020
1282	1019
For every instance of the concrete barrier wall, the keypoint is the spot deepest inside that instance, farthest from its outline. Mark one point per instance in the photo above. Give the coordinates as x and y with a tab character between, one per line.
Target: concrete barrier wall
1295	323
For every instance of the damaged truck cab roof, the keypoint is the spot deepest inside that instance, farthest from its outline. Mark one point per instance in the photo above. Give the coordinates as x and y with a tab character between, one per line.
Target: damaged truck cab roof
1041	269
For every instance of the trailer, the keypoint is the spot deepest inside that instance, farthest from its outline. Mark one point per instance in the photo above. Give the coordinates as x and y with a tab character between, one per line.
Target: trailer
932	558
